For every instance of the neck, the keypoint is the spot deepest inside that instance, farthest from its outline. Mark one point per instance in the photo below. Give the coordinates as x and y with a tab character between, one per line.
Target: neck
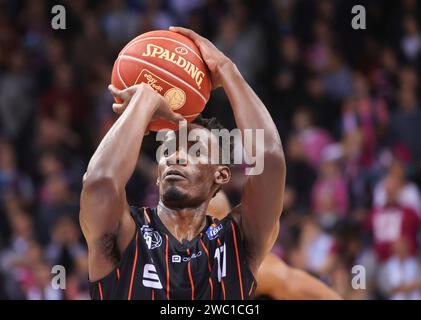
184	224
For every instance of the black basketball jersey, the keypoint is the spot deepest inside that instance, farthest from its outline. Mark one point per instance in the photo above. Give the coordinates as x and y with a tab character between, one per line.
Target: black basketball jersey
156	265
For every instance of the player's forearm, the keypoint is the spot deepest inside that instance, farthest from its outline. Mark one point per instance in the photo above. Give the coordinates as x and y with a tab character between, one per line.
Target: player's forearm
249	110
116	155
305	287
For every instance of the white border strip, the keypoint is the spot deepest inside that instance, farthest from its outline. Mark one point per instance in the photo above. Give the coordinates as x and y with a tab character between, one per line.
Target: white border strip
164	71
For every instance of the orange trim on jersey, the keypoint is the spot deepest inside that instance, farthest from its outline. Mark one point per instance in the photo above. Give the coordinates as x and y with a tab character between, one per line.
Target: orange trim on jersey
191	280
238	260
211	288
251	288
100	291
168	270
153	294
118	273
129	297
190	276
223	289
207	253
146	215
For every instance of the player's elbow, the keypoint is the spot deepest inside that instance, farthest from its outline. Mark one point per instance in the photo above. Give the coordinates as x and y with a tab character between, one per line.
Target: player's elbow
99	197
99	185
274	157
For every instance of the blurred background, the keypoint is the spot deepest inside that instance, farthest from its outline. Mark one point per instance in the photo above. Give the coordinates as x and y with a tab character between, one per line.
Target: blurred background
345	101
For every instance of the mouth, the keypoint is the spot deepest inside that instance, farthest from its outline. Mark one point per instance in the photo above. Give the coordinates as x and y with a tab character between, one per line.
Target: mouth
174	175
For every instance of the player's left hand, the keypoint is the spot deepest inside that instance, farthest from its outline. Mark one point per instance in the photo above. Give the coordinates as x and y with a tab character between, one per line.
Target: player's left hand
161	110
211	55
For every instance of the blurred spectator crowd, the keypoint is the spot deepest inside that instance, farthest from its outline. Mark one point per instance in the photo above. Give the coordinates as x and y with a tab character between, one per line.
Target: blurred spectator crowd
345	102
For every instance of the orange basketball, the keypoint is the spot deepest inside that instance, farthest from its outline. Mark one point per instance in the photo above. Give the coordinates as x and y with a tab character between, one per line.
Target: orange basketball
172	65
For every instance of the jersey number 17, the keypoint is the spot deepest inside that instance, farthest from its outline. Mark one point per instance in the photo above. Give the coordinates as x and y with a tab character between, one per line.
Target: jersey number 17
220	255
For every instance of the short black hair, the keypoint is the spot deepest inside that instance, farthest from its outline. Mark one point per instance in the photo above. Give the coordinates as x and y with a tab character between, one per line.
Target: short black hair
213	123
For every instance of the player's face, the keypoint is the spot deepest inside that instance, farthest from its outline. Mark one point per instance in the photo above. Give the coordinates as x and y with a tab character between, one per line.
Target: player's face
187	178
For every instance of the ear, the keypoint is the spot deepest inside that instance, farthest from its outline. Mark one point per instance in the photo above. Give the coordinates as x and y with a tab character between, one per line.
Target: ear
222	175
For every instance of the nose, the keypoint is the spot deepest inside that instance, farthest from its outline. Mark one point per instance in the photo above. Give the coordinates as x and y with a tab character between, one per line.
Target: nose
179	158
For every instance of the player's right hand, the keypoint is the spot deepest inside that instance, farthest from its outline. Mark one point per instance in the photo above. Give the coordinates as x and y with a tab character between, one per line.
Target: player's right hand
161	108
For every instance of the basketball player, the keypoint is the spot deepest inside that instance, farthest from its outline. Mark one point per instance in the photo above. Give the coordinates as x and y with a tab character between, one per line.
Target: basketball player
275	278
176	251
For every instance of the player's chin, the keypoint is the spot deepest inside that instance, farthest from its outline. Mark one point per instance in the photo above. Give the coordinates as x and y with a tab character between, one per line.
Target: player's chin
173	194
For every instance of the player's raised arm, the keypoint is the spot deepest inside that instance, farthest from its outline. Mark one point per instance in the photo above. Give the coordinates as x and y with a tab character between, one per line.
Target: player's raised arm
262	195
104	212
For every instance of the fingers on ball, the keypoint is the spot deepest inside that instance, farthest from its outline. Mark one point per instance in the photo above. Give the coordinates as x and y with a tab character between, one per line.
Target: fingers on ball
118	107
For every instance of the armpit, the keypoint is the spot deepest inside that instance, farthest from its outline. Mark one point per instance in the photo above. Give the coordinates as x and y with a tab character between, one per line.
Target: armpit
109	248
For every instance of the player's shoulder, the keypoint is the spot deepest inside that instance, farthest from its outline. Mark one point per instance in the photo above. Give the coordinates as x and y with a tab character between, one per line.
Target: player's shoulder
230	221
232	216
141	215
235	214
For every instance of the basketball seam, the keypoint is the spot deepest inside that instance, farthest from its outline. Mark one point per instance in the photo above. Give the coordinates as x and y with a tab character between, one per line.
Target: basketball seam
138	76
119	75
189	115
165	71
163	38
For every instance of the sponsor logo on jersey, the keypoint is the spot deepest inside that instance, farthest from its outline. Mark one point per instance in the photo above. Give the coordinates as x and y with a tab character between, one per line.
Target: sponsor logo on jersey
150	277
213	231
178	259
193	256
153	238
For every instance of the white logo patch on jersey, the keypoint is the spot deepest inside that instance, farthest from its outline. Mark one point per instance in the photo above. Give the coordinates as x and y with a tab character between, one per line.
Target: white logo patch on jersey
176	258
150	277
153	238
